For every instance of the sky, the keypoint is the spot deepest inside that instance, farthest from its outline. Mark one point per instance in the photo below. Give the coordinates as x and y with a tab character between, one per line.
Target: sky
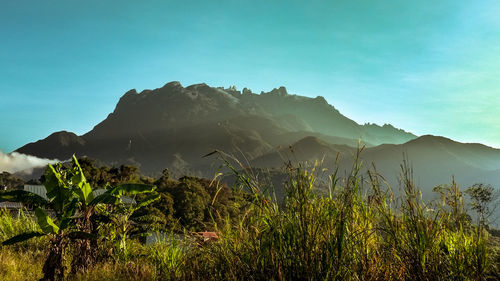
429	67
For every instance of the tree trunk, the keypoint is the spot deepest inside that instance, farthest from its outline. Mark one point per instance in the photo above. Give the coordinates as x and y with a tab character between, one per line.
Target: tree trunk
53	268
84	255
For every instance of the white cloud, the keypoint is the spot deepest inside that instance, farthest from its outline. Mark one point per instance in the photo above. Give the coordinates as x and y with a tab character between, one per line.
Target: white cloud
17	162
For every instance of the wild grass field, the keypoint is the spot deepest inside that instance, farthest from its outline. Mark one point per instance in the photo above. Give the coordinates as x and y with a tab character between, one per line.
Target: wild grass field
359	229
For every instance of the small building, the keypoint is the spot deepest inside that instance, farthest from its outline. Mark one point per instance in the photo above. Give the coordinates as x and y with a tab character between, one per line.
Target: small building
125	199
208	236
11	205
39	190
42	192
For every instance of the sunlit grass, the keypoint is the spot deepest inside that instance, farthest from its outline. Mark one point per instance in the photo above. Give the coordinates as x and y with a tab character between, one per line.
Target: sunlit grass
16	265
359	231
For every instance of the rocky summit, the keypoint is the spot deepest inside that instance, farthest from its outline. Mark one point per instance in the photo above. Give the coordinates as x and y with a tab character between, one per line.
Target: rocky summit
174	126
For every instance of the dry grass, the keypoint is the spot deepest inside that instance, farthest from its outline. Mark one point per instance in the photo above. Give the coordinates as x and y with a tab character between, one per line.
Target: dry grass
18	265
126	271
358	232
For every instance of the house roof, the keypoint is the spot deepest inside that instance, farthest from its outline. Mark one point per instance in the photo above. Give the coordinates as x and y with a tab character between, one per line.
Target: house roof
39	190
11	205
42	191
208	234
125	199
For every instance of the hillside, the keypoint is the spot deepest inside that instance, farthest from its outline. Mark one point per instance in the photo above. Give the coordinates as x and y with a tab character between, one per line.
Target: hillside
434	160
173	126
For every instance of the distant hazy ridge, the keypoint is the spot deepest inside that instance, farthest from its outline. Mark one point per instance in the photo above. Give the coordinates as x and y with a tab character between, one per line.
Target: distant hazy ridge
175	126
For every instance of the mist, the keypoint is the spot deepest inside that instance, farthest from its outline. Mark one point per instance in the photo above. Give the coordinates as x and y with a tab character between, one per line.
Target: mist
17	162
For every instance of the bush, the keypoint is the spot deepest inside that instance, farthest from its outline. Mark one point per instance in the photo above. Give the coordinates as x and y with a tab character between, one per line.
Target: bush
359	231
353	234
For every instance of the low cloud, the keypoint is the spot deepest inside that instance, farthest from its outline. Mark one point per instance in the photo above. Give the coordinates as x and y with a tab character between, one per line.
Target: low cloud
18	162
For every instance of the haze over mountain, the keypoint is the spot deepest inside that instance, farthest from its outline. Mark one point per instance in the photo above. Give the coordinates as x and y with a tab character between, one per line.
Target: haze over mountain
434	160
174	126
24	164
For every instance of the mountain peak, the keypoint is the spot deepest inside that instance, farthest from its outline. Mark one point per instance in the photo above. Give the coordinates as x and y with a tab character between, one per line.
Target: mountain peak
173	84
157	124
60	145
431	139
129	93
198	86
281	91
321	99
310	141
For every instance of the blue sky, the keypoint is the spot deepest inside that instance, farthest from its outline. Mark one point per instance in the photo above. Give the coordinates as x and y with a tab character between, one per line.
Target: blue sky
429	67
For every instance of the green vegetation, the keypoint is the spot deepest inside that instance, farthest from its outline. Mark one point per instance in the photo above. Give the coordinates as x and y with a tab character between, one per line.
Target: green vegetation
188	203
76	217
8	180
359	230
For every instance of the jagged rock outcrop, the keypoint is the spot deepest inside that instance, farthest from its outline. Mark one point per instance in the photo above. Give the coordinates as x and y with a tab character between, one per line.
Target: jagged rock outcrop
160	127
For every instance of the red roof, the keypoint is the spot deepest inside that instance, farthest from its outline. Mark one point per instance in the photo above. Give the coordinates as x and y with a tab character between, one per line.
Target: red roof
209	235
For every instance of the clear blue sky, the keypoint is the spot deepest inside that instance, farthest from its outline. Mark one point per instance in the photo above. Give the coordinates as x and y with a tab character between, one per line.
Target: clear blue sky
424	66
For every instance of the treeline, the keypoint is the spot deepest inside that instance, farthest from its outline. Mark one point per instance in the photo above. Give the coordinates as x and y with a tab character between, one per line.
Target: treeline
9	181
358	230
188	203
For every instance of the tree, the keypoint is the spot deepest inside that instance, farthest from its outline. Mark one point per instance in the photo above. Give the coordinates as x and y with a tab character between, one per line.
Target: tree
190	202
92	172
9	181
483	199
73	204
453	203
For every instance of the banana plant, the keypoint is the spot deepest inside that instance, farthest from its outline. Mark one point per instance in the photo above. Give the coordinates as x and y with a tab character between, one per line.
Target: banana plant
121	213
65	215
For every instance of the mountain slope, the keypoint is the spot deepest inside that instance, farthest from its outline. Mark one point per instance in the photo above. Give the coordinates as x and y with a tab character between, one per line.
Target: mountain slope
173	126
434	160
59	145
306	151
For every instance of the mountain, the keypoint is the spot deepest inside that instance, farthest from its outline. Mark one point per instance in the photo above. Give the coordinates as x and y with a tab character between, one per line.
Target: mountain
434	160
307	150
174	126
59	145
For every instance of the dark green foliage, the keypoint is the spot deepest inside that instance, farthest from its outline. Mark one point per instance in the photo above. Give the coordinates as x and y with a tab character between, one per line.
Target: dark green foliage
22	237
190	202
9	181
70	197
483	199
358	231
23	196
159	216
355	233
100	175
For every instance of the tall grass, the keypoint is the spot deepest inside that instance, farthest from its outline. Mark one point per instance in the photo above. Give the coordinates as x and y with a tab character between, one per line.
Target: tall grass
20	265
16	222
168	256
359	231
22	261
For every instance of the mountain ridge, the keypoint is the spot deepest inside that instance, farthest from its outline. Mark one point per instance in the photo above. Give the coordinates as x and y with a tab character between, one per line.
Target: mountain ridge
174	126
155	128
